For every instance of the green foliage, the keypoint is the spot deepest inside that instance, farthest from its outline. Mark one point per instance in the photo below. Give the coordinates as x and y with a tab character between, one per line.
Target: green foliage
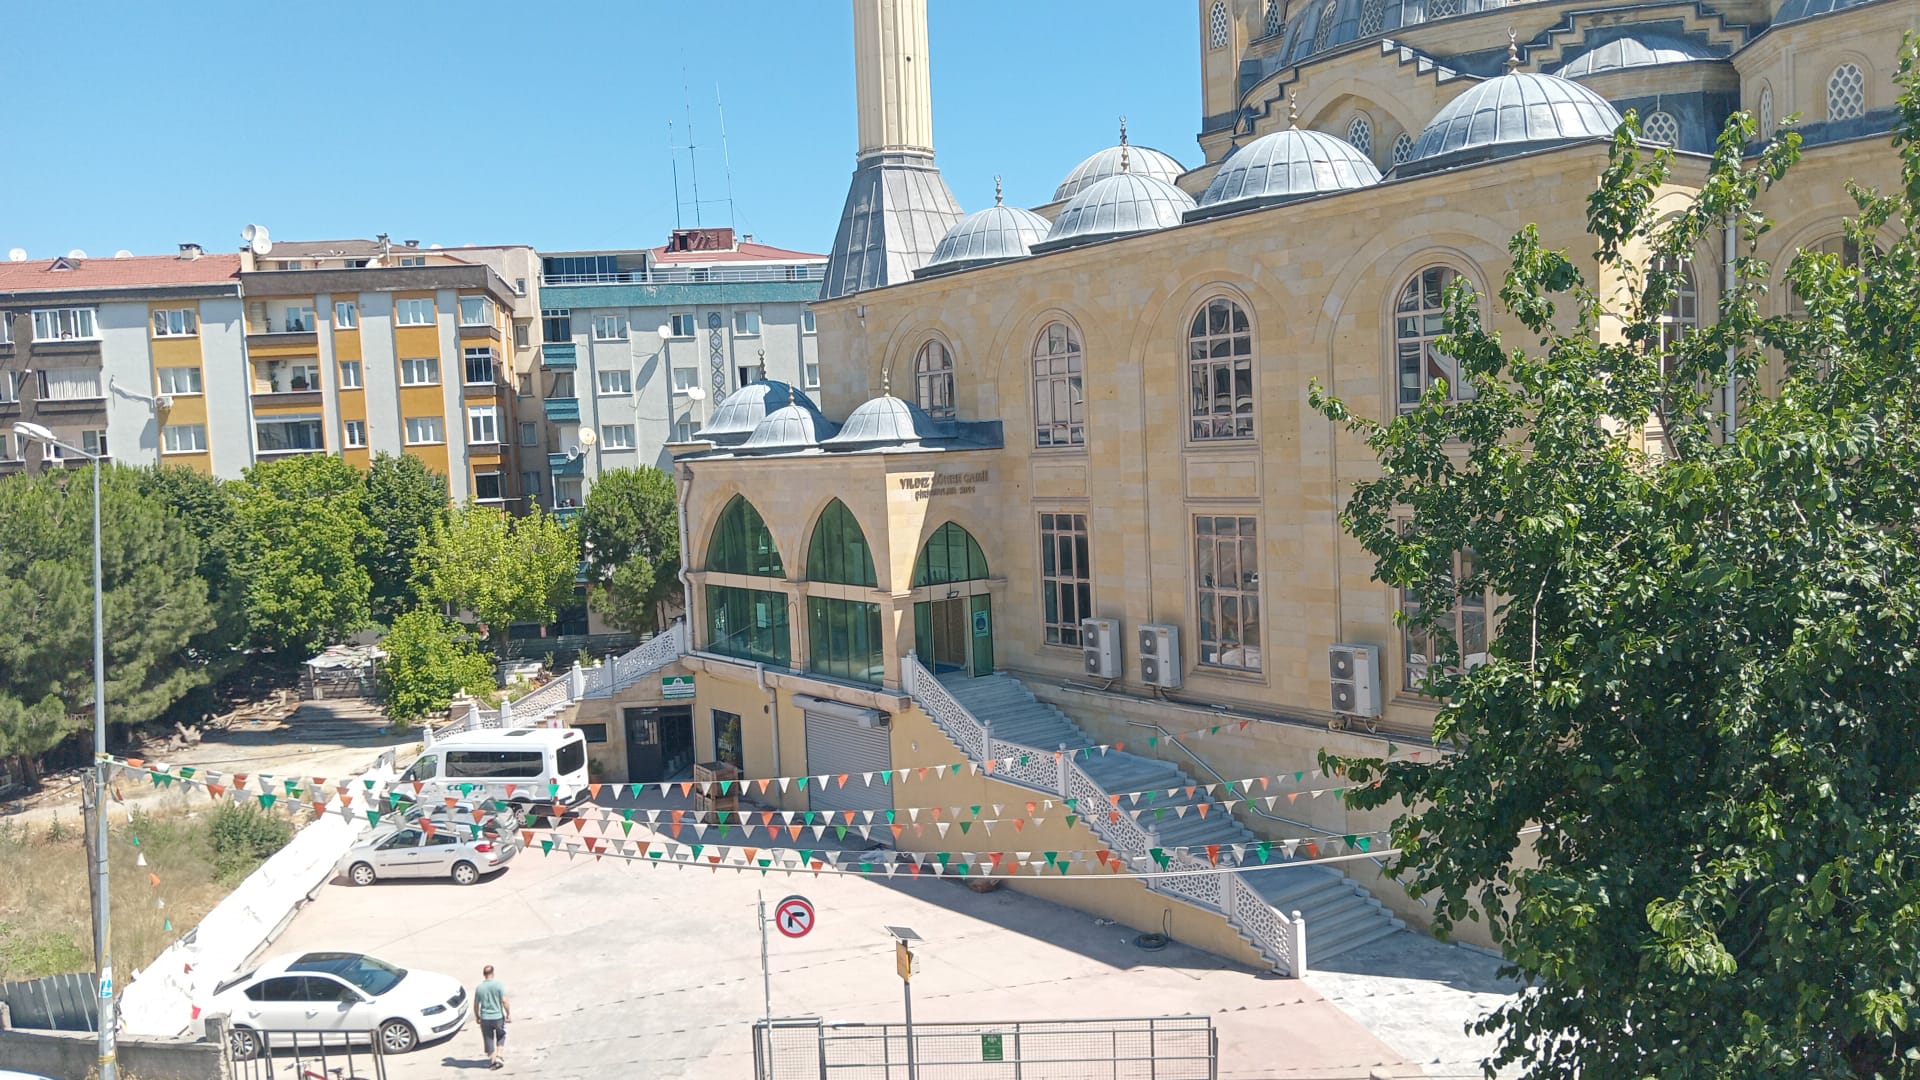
428	661
303	526
630	531
1682	788
404	503
499	568
206	506
155	603
243	837
29	953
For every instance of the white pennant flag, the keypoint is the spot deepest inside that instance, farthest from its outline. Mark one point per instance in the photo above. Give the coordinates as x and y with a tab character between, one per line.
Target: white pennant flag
942	826
988	825
819	831
783	785
866	832
1290	847
999	809
869	778
913	813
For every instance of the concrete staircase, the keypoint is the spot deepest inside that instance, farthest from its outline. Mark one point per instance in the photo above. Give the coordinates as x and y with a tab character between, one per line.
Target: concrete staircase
1339	915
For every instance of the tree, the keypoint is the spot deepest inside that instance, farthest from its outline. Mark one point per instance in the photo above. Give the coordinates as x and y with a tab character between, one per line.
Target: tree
630	531
1681	788
428	661
499	568
206	505
303	526
154	603
404	502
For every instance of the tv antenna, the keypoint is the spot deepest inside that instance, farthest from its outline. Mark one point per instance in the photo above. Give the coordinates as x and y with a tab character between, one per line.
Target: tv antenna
726	155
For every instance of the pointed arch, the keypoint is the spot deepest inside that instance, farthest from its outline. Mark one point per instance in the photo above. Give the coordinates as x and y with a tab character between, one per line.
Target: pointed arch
950	555
838	552
741	543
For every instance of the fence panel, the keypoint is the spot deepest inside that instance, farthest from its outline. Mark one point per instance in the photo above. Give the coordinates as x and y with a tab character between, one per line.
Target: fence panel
1154	1048
53	1003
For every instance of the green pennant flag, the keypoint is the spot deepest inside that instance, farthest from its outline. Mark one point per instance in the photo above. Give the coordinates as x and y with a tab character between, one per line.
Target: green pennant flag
187	771
546	847
1153	741
1159	812
136	841
806	855
1061	866
943	857
960	868
1266	849
886	776
466	789
476	830
654	854
1051	856
166	926
1160	856
890	816
369	784
1297	777
1024	758
841	830
725	829
393	798
1153	795
800	783
634	789
1073	804
697	849
266	802
373	817
956	768
626	827
627	814
1216	730
553	791
1392	749
291	785
726	787
976	812
1071	818
1364	842
813	817
966	827
1351	842
764	863
866	868
1229	787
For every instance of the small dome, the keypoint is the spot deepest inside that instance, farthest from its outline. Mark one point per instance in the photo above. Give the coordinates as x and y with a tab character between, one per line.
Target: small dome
795	427
1521	110
1795	10
741	412
1633	51
1285	165
995	234
1119	205
1141	160
885	420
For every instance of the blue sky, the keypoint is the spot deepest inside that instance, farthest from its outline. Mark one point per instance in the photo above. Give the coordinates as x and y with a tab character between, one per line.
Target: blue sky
540	123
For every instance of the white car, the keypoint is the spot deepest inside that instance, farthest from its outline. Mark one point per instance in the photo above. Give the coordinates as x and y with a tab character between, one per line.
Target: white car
351	996
396	851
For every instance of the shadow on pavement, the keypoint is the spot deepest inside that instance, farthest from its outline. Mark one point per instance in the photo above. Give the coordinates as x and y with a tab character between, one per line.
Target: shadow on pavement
1417	955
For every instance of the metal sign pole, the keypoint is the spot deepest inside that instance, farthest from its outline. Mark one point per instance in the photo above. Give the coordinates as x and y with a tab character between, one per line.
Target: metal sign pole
904	962
766	977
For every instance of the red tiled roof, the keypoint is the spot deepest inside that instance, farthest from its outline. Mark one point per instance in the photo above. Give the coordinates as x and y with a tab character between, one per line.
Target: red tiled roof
748	251
138	271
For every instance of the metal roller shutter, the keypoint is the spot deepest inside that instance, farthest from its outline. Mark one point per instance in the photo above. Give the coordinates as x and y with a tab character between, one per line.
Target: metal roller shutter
837	746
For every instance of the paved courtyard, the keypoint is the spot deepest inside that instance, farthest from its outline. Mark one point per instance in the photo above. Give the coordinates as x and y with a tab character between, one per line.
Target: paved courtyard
619	969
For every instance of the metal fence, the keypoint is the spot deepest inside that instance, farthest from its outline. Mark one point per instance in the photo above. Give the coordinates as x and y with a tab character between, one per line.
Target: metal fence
302	1055
1152	1048
54	1003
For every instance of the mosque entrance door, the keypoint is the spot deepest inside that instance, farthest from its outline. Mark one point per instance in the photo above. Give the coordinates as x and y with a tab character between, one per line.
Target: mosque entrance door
955	635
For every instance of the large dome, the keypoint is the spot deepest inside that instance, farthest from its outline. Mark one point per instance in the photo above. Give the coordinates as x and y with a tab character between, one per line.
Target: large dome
992	235
795	427
1119	205
1319	28
740	412
1521	110
1795	10
1633	51
1285	165
883	421
1141	160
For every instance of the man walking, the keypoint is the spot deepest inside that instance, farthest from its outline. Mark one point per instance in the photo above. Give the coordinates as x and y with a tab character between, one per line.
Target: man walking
491	1009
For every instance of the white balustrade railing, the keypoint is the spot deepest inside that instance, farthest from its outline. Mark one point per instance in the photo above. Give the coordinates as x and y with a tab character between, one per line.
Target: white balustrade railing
601	680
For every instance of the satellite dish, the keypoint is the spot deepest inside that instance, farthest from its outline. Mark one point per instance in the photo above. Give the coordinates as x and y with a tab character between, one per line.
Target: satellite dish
123	253
696	393
248	233
588	438
77	253
433	247
258	240
17	255
573	453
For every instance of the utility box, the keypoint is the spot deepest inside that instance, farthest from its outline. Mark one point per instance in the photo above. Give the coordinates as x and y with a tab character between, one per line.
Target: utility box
1160	656
1099	644
1355	672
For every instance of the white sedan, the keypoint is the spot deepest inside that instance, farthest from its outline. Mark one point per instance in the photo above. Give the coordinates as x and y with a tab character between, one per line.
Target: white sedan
343	996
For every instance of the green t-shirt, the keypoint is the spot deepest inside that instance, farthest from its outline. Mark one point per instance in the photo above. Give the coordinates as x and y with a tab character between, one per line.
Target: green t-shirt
490	997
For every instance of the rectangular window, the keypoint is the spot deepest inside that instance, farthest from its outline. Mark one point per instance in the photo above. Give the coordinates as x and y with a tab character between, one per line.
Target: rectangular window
69	384
609	328
750	624
562	385
682	325
288	264
413	260
617	436
843	637
1066	576
417	312
479	364
349	374
346	315
526	765
556	324
424	430
529	433
64	324
683	429
483	424
593	733
1466	624
566	491
10	386
685	379
179	380
812	374
288	435
522	334
530	484
726	738
1226	582
297	319
486	487
286	376
746	324
175	322
354	432
616	381
354	264
184	438
94	441
6	332
476	311
420	371
806	321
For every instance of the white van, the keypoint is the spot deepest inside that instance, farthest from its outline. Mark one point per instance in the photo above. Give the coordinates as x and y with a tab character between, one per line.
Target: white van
539	765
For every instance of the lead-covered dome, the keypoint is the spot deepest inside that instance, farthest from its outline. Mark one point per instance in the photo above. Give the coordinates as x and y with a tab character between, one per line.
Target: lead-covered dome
996	234
1795	10
795	427
740	412
1286	165
1518	111
883	421
1139	160
1635	50
1117	206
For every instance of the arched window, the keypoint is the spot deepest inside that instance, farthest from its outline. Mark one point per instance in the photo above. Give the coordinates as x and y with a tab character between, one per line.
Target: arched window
1360	134
951	554
1766	111
1220	371
1373	17
1324	30
742	544
933	379
1403	148
1059	395
1217	25
1276	18
1441	9
1418	360
838	552
1682	314
1846	92
1661	129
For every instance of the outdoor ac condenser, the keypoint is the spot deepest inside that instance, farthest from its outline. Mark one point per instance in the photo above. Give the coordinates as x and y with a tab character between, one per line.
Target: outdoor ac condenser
1098	638
1356	679
1160	656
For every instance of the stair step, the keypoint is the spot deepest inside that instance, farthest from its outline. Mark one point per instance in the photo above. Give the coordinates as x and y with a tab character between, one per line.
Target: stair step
1350	939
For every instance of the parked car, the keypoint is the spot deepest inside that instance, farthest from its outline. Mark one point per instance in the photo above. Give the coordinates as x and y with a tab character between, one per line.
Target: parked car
408	851
343	996
461	816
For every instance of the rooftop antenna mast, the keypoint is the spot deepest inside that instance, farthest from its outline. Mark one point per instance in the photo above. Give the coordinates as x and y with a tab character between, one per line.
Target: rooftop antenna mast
726	155
693	157
673	159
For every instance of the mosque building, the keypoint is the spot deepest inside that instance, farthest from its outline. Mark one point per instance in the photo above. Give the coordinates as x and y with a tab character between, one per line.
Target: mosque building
1060	507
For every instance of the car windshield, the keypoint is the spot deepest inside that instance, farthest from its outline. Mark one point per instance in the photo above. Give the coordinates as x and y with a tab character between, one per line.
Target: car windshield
376	977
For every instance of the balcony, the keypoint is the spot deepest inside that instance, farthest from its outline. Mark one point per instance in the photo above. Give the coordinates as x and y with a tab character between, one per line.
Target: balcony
563	408
699	276
564	465
559	355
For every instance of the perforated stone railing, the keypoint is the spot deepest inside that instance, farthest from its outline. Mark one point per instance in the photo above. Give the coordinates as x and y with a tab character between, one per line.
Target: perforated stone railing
951	717
630	667
601	680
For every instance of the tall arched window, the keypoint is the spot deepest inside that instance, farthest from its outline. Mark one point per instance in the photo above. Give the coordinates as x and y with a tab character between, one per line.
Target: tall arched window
951	554
1217	25
1373	17
1220	371
953	624
1682	314
1766	111
1360	134
741	542
1276	18
1661	128
1059	395
1846	92
1403	148
1324	30
933	379
1418	360
747	623
843	636
838	552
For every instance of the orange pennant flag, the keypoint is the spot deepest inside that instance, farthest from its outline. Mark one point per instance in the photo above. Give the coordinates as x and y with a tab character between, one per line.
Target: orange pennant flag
526	837
452	802
766	817
154	879
685	787
763	782
427	824
216	790
1203	807
1313	849
1031	807
794	831
594	789
1213	854
135	762
897	830
319	781
843	779
1019	824
417	785
319	807
751	852
579	824
510	790
847	816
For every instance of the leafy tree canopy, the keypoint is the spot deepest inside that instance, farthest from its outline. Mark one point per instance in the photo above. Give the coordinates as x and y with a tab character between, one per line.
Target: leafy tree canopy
499	568
303	526
404	502
207	506
429	659
630	530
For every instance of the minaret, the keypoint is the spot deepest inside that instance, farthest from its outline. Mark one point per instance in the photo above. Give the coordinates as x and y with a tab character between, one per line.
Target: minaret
898	205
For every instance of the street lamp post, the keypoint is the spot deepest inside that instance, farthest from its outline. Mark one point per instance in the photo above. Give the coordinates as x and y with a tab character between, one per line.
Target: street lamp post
102	908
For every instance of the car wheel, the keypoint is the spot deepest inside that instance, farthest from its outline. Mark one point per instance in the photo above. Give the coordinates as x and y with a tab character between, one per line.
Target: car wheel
464	873
361	873
243	1044
397	1037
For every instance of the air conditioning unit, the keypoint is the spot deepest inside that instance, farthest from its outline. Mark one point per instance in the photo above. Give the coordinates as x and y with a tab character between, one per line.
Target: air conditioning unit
1160	656
1098	638
164	401
1356	679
